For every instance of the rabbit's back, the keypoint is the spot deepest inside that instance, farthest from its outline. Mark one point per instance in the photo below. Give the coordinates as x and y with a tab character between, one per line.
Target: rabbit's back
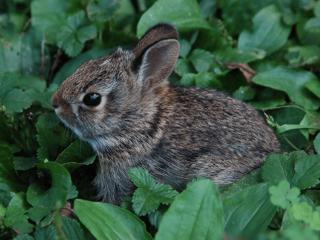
212	135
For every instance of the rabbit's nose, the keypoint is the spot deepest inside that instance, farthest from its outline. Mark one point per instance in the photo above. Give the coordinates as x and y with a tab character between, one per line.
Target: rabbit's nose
55	101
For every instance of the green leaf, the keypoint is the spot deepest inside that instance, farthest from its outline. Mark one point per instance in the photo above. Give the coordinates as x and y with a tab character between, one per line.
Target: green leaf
283	196
196	213
244	93
313	25
48	16
73	35
248	211
23	237
51	137
314	87
188	79
316	143
183	67
303	55
76	154
185	47
72	229
106	221
307	171
8	177
16	101
149	194
298	168
101	10
46	233
278	167
207	80
16	52
201	60
24	163
15	215
290	81
173	12
56	196
304	212
269	33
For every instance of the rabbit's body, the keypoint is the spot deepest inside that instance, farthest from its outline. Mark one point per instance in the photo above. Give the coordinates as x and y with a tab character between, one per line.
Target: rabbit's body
190	133
141	121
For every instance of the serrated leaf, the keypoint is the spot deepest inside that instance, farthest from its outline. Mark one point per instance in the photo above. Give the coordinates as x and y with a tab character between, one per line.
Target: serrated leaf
101	10
173	12
298	168
15	215
149	194
74	34
291	82
307	171
266	23
106	221
196	213
48	16
278	167
248	211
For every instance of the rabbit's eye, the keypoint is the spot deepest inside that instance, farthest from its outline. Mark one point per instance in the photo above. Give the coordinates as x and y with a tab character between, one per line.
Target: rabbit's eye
92	99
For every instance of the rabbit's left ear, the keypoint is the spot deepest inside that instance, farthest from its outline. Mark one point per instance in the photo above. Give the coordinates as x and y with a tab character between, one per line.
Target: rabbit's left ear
156	53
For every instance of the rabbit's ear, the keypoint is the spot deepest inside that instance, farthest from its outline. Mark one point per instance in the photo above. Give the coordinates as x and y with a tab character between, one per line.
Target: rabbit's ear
158	61
156	53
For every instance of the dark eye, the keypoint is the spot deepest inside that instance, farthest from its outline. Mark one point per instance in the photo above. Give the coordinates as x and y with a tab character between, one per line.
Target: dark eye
92	99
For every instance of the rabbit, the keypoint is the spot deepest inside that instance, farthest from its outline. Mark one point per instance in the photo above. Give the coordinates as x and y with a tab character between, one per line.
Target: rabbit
124	106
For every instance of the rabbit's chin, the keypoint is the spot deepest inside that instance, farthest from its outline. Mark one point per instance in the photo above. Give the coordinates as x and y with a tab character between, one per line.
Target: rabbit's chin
73	129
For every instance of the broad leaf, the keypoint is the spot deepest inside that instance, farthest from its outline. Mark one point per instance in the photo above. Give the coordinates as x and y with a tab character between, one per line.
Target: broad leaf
292	82
106	221
269	32
201	60
248	211
316	143
196	213
76	154
56	196
8	177
72	229
173	12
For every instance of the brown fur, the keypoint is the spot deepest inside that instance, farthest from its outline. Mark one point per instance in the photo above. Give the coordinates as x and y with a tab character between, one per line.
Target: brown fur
175	133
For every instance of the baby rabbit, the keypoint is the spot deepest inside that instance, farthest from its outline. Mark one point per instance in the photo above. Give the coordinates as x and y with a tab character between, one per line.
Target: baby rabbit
124	106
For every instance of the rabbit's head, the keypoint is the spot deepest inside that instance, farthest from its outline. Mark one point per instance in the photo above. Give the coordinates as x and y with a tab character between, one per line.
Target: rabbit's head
106	94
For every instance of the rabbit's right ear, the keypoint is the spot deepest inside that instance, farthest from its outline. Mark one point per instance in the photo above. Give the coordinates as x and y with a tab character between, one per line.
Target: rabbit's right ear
156	54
